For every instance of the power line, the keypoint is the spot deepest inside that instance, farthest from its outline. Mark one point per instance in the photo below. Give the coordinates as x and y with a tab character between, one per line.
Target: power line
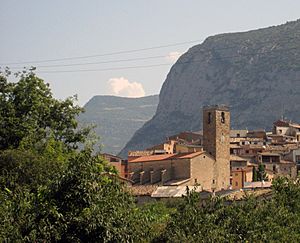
91	63
160	64
103	54
139	58
105	69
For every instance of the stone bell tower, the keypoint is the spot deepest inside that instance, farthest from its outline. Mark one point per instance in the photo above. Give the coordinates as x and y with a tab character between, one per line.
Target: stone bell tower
216	142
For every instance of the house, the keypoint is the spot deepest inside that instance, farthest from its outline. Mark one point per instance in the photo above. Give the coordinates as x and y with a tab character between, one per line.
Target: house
274	162
293	155
117	162
164	148
188	137
287	128
240	176
238	134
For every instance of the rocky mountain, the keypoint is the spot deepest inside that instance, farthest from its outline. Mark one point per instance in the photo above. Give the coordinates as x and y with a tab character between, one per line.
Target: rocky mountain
256	73
117	118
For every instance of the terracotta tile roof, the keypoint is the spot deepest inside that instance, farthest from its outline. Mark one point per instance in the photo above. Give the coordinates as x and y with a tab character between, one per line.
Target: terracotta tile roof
160	157
155	157
139	153
143	190
295	125
189	155
281	123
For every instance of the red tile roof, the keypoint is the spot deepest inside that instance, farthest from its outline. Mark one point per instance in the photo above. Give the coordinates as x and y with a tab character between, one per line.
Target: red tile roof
160	157
281	123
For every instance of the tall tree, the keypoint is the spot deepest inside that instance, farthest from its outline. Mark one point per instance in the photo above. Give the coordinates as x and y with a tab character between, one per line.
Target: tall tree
28	109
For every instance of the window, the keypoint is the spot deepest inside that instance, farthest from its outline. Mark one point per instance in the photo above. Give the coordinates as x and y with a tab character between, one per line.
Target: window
213	181
222	138
209	118
238	135
280	131
223	117
236	183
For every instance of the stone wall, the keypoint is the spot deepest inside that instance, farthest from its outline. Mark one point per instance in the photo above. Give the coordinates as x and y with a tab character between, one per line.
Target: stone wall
202	169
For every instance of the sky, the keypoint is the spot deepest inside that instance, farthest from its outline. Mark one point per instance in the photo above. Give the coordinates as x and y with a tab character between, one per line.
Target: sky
120	47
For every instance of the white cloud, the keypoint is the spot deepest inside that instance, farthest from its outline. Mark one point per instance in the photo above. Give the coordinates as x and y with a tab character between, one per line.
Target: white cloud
122	87
173	56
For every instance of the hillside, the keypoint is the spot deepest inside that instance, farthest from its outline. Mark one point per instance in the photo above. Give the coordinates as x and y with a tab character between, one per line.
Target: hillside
256	73
117	118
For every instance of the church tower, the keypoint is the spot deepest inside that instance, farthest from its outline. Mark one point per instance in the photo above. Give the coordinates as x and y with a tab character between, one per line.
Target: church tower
216	142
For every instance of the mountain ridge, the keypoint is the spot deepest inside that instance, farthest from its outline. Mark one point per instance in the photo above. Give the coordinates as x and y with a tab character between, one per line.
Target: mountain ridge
256	73
117	118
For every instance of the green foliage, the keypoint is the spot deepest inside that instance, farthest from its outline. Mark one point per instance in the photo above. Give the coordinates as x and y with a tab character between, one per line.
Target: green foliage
254	174
259	174
27	108
51	192
252	220
84	203
117	118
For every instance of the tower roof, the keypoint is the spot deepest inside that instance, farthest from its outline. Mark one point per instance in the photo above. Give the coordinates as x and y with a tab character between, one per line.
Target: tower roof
220	107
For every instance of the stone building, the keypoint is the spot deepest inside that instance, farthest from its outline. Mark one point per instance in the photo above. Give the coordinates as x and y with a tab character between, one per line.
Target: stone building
117	162
185	169
210	168
240	176
287	129
274	162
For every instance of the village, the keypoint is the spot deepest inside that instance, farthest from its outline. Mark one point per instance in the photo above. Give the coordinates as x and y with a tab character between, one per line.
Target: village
217	160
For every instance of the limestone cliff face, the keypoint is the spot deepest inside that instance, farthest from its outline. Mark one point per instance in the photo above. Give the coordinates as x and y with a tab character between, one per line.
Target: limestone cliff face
256	73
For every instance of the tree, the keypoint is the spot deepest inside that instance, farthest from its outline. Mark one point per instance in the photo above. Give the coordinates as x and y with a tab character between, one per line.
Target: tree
254	174
82	204
27	108
261	173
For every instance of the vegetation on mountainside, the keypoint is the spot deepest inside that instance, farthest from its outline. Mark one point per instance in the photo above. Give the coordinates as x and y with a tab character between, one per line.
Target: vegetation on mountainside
117	118
52	192
256	73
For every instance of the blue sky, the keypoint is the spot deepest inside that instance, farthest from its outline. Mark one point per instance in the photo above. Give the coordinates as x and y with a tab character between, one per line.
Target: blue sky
35	30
